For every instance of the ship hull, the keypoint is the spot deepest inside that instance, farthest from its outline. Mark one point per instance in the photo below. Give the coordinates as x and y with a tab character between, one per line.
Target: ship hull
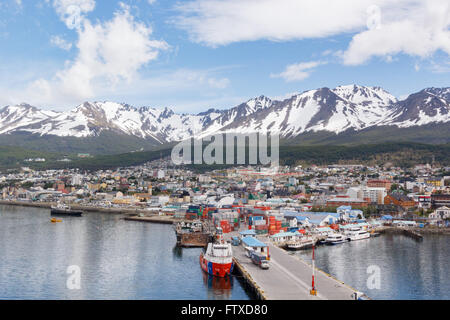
333	243
62	212
216	269
192	239
359	237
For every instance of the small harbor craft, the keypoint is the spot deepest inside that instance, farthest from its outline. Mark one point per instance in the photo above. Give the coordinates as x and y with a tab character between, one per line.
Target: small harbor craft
65	210
303	243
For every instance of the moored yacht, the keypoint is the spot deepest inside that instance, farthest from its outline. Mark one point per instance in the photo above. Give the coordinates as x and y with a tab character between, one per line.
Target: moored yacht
357	234
335	238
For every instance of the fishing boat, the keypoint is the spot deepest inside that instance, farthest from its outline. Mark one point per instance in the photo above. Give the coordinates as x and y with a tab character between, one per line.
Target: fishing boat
64	210
302	243
335	238
218	259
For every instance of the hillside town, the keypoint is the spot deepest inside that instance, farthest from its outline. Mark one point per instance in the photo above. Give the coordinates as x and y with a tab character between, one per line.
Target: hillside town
316	194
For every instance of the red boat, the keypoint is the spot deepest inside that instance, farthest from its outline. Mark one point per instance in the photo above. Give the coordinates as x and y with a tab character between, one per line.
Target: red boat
218	259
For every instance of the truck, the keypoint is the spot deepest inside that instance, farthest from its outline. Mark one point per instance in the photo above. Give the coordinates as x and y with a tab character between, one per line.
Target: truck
260	260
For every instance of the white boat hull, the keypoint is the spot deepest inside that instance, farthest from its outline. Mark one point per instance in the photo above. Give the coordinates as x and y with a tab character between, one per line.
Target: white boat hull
359	237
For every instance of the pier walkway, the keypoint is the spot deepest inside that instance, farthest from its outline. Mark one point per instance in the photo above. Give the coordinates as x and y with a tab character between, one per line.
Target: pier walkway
289	278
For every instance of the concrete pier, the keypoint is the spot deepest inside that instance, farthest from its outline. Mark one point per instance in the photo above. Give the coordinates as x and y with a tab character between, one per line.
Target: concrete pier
289	278
154	219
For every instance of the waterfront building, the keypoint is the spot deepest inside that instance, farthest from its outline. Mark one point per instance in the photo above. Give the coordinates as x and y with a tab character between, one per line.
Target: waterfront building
285	236
441	213
399	199
338	201
256	245
439	200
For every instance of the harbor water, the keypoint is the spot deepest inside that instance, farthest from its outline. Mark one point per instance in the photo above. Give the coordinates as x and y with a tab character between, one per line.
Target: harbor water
120	259
407	269
117	259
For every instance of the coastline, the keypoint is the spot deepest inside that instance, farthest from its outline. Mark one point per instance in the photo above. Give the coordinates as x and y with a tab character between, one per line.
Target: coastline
129	214
48	205
133	215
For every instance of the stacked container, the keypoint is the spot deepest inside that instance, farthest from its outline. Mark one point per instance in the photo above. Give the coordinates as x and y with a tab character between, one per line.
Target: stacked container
225	225
272	225
230	217
260	224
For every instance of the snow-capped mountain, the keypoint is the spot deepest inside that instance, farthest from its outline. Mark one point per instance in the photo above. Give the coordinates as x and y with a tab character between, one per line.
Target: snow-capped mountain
430	105
15	117
323	110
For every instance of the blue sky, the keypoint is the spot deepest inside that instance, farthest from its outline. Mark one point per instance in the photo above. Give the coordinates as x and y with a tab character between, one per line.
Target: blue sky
194	55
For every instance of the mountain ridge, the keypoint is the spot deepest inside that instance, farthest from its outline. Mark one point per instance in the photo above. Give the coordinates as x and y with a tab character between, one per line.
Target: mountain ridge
344	109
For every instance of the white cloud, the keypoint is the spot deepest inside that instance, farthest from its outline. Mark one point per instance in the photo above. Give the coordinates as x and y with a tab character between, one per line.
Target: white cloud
421	32
382	27
440	67
60	43
183	80
298	71
109	53
219	83
215	22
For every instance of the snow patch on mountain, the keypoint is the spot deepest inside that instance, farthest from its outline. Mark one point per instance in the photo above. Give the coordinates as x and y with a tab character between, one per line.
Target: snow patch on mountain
332	110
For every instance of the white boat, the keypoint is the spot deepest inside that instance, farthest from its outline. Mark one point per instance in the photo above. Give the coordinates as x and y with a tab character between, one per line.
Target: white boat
302	243
335	238
357	234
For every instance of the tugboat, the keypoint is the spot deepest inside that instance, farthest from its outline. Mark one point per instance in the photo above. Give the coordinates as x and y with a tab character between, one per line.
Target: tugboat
64	210
218	259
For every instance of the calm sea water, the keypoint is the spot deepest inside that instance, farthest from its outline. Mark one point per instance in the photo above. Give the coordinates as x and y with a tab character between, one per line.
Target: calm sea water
118	260
132	260
408	269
